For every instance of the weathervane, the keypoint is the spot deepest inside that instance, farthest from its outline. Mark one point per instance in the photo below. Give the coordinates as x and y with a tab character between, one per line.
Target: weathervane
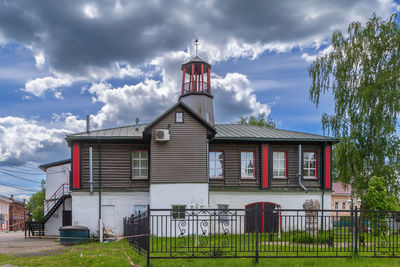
196	43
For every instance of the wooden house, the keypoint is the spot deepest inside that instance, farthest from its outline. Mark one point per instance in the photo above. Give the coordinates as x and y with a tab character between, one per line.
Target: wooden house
183	159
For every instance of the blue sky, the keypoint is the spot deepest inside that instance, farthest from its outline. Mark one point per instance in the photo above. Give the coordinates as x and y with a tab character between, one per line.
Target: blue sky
118	60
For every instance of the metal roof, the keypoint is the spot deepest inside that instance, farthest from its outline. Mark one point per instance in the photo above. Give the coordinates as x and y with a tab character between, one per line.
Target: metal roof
258	133
45	166
224	132
124	132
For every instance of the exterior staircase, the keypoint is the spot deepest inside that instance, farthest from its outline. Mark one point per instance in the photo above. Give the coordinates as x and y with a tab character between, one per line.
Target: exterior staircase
50	206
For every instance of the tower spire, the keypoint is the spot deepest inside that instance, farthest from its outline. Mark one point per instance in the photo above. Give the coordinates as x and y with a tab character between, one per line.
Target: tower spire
196	43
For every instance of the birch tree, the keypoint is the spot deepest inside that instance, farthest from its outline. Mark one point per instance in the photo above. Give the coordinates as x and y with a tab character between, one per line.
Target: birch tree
363	74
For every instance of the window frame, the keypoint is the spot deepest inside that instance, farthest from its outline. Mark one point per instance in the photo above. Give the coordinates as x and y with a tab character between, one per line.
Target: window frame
255	164
148	164
286	164
316	165
344	205
177	215
176	113
336	205
223	164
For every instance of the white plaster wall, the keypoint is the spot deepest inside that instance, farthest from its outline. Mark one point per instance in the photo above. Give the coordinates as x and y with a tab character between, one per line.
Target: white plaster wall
55	177
115	206
287	200
163	196
54	223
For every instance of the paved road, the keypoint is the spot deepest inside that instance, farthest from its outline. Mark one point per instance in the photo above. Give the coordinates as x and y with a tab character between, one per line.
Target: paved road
14	243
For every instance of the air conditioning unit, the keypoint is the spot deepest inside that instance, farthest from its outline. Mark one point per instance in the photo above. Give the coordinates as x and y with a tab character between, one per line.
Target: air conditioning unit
162	135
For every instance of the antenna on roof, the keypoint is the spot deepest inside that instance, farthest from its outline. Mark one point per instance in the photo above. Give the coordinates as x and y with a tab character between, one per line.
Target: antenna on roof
137	124
87	124
196	43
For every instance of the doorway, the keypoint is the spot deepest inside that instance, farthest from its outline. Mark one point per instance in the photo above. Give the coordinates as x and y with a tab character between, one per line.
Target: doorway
266	214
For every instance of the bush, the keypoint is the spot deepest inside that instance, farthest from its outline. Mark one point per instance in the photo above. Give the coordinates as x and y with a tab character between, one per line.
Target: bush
309	237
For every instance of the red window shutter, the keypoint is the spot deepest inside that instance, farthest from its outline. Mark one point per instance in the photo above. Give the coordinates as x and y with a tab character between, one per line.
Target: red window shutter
265	166
76	166
327	166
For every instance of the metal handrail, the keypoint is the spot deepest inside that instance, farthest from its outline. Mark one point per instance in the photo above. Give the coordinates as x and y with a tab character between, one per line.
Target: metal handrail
49	203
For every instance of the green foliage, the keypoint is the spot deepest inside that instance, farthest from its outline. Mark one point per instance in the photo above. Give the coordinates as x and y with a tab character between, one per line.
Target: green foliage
35	204
310	238
259	120
378	196
363	74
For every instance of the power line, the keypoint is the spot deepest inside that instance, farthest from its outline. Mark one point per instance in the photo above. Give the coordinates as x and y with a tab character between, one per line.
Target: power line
15	176
17	164
18	187
33	173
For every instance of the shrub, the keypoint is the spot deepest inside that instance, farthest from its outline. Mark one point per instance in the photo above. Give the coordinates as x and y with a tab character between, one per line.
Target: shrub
310	237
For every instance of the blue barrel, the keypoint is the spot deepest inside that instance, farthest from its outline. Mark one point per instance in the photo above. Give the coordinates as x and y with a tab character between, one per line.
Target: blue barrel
72	235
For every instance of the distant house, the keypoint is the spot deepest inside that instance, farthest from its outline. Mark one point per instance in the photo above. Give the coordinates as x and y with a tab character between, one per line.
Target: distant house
183	159
4	213
17	214
342	199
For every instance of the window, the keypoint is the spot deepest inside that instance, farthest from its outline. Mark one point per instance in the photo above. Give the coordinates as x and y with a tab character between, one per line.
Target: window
343	205
279	164
140	164
223	213
216	164
179	117
310	165
178	211
336	205
207	116
247	165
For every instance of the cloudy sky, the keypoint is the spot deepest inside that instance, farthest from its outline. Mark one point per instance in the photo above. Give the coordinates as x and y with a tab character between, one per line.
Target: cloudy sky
118	60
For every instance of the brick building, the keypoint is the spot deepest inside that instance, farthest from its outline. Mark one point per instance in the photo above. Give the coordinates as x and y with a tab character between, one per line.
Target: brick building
17	214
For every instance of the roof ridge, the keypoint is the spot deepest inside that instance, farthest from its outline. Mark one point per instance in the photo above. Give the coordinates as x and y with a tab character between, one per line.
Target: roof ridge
273	129
112	128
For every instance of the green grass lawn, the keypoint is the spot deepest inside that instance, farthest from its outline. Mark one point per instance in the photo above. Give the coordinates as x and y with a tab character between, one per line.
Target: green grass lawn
116	254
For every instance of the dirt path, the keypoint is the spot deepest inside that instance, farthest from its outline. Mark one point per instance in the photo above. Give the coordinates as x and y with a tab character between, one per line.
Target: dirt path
14	243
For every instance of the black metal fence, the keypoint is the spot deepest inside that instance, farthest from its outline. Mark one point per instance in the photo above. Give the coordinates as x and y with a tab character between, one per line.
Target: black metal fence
264	233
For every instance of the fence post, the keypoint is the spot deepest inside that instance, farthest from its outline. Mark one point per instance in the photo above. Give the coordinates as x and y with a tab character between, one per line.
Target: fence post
356	231
256	225
148	235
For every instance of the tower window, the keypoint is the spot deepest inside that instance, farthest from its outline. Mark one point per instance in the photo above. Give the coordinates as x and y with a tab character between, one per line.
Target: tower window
207	116
179	117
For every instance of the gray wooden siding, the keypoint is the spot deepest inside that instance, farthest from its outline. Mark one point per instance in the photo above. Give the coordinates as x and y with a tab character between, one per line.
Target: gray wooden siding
183	158
293	166
232	166
115	167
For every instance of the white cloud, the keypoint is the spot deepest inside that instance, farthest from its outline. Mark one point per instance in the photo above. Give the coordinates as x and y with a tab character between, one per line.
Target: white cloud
40	59
311	58
26	139
91	11
39	86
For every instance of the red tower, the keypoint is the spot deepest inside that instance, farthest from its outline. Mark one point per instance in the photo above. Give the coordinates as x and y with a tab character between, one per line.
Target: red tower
196	76
196	87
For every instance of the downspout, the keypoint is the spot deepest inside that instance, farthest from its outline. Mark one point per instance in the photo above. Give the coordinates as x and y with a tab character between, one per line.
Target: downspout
300	174
91	169
208	172
100	222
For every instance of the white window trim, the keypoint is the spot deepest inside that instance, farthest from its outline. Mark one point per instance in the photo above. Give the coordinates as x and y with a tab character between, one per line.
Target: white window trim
254	165
140	168
308	168
223	163
273	166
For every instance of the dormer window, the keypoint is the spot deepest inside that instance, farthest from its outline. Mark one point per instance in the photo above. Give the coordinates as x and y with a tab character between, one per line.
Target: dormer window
179	117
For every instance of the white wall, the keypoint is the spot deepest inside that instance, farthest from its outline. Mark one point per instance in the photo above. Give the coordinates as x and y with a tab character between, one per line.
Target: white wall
115	206
287	200
163	196
53	224
55	177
